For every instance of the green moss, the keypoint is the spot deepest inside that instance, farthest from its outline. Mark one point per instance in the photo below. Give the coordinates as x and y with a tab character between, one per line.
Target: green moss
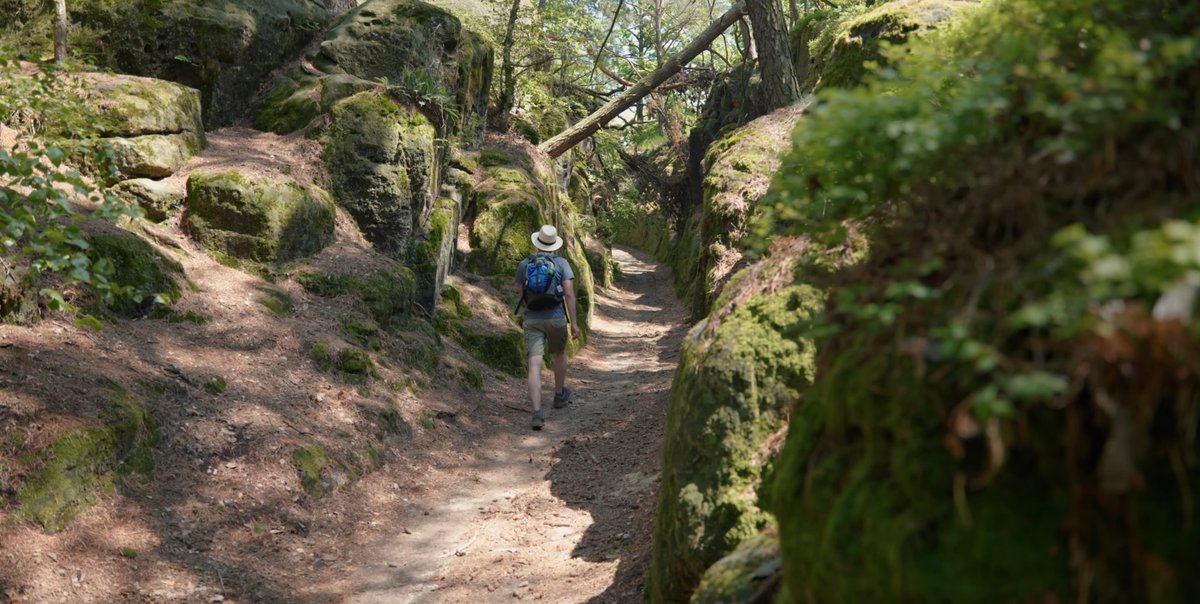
216	385
843	48
310	462
364	333
748	574
67	475
504	351
355	364
469	378
291	105
388	295
140	273
321	355
736	382
273	220
276	300
382	163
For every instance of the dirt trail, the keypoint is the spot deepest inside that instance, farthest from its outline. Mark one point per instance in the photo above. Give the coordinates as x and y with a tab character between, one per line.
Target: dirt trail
561	515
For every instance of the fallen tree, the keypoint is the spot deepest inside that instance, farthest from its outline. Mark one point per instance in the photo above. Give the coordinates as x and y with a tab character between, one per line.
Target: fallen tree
570	137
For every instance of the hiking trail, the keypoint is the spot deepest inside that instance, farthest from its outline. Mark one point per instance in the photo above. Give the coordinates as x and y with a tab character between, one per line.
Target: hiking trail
561	515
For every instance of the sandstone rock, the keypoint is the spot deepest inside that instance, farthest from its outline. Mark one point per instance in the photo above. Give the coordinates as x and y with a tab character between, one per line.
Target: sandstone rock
266	220
383	165
157	199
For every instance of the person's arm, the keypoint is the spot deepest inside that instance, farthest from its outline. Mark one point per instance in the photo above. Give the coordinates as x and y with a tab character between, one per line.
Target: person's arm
569	302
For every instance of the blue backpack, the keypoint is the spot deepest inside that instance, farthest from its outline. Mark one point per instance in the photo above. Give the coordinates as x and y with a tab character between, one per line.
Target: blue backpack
543	283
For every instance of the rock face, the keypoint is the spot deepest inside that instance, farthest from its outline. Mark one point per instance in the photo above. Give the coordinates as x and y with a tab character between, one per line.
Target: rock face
154	126
297	97
264	221
737	173
740	371
420	48
222	48
384	168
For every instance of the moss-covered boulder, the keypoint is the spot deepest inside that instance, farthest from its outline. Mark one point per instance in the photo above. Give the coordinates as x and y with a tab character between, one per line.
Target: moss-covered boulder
748	575
271	219
517	192
153	126
844	46
79	464
140	273
384	168
222	48
419	47
737	173
741	371
157	199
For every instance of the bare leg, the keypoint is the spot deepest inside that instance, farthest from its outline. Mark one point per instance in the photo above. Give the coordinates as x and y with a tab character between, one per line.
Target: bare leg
535	382
560	371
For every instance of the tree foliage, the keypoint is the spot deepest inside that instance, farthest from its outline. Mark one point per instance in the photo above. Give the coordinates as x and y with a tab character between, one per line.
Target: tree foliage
43	200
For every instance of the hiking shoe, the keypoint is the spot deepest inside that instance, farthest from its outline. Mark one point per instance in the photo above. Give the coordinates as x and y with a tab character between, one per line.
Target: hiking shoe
538	420
562	399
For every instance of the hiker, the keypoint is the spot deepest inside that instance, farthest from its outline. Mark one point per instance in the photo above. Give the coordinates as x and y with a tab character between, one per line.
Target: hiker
547	286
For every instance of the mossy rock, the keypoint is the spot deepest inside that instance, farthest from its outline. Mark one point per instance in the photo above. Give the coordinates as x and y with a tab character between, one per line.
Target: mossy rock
130	106
141	272
154	155
432	256
383	165
741	370
414	45
294	101
157	199
223	49
748	575
268	220
843	48
82	462
737	174
298	97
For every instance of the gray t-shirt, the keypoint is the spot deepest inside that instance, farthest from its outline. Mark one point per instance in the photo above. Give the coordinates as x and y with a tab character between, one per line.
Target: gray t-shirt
564	271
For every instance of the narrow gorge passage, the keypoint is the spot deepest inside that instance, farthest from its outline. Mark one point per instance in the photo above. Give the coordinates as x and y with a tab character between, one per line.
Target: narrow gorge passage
561	515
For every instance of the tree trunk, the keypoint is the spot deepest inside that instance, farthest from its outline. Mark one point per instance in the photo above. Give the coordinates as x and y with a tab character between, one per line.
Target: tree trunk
780	86
571	136
60	31
508	84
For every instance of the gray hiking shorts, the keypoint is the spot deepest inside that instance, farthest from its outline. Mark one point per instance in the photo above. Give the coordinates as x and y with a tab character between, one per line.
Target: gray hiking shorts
543	333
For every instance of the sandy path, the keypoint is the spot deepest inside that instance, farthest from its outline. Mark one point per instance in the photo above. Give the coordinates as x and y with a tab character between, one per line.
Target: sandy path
561	515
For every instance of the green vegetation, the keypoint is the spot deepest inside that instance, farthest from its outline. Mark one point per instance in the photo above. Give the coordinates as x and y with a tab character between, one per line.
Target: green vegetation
969	435
64	478
215	385
387	294
276	300
310	462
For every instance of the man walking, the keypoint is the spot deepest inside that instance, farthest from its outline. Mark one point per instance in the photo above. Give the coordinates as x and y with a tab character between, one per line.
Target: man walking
547	286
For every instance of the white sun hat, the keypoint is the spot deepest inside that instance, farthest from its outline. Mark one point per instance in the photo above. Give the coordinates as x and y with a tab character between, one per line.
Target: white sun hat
547	238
